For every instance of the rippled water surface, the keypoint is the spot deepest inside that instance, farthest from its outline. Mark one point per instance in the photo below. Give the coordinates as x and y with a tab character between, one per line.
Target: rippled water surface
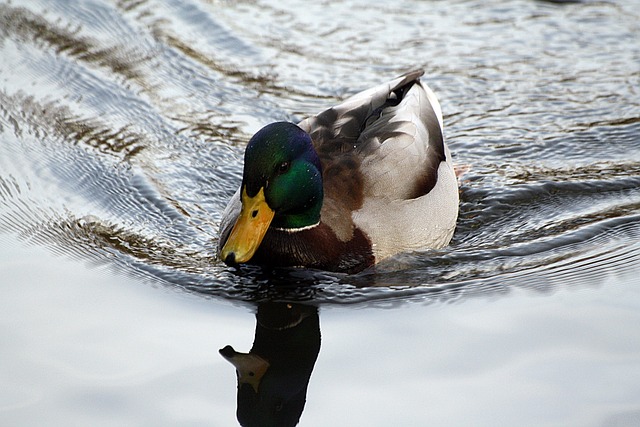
122	129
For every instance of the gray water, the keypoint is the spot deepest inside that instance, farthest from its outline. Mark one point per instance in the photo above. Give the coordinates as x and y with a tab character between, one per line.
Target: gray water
122	129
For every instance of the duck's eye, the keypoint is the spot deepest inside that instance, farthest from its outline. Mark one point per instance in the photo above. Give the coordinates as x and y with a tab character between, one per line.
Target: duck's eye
284	166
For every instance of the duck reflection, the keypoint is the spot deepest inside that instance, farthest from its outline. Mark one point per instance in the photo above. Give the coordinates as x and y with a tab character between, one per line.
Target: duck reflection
274	375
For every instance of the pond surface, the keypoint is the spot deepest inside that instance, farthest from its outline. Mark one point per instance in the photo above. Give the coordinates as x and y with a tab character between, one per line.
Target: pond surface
122	129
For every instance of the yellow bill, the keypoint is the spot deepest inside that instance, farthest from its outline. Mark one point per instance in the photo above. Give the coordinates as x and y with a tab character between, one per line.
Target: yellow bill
249	230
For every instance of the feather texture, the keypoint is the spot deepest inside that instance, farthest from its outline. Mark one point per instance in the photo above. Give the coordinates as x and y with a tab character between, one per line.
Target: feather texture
388	181
387	168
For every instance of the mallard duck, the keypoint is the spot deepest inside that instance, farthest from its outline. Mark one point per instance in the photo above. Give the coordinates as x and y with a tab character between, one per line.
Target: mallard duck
362	181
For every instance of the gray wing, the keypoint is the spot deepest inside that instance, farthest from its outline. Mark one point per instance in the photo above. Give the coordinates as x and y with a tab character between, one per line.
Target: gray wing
383	142
403	147
336	129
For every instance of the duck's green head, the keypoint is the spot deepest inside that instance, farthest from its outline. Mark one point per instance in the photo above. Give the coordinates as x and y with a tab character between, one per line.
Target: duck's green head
281	188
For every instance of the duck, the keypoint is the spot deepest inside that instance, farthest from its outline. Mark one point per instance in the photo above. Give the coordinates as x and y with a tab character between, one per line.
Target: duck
360	182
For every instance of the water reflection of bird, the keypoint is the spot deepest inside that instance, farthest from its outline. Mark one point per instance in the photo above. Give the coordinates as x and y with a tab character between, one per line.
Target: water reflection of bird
273	377
359	182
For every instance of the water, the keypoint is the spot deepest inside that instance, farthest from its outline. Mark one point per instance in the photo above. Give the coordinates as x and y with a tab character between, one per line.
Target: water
122	128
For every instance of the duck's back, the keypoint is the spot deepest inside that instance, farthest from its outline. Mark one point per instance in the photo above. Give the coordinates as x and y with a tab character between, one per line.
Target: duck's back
386	167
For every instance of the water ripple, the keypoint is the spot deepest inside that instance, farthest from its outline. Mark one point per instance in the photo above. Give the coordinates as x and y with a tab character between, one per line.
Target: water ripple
123	127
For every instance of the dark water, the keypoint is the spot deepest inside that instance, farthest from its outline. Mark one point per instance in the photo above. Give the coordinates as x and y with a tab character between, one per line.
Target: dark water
122	128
